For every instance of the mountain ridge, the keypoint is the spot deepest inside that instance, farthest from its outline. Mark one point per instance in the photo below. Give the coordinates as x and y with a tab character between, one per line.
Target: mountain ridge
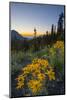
16	35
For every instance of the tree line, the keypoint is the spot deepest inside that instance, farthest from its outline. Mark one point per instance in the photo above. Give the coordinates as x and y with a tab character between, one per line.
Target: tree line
37	43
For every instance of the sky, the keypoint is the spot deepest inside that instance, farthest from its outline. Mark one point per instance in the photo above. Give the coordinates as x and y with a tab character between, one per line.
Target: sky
25	17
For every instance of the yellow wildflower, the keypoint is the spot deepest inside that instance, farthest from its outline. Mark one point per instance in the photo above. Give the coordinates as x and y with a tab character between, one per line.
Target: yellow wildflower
20	80
34	85
51	74
36	72
41	76
25	70
41	62
59	44
35	61
19	85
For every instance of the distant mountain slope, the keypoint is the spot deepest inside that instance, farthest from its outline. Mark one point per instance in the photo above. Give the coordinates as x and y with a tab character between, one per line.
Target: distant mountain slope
16	35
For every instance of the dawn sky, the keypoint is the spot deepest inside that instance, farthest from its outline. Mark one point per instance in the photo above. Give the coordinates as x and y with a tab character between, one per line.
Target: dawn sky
24	17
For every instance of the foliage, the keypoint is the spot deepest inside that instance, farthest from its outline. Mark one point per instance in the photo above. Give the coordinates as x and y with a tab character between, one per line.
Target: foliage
57	55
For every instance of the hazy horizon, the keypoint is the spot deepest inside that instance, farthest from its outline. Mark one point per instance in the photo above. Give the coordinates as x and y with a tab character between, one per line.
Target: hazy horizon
25	17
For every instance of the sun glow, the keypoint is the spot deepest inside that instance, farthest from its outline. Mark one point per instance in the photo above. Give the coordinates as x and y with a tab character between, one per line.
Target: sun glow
31	33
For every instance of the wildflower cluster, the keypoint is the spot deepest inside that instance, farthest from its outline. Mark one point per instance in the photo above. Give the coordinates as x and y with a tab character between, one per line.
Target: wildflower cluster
57	55
57	48
59	44
34	75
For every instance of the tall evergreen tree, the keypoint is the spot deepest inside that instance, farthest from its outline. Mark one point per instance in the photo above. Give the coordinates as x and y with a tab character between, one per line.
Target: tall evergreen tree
35	31
52	29
60	24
